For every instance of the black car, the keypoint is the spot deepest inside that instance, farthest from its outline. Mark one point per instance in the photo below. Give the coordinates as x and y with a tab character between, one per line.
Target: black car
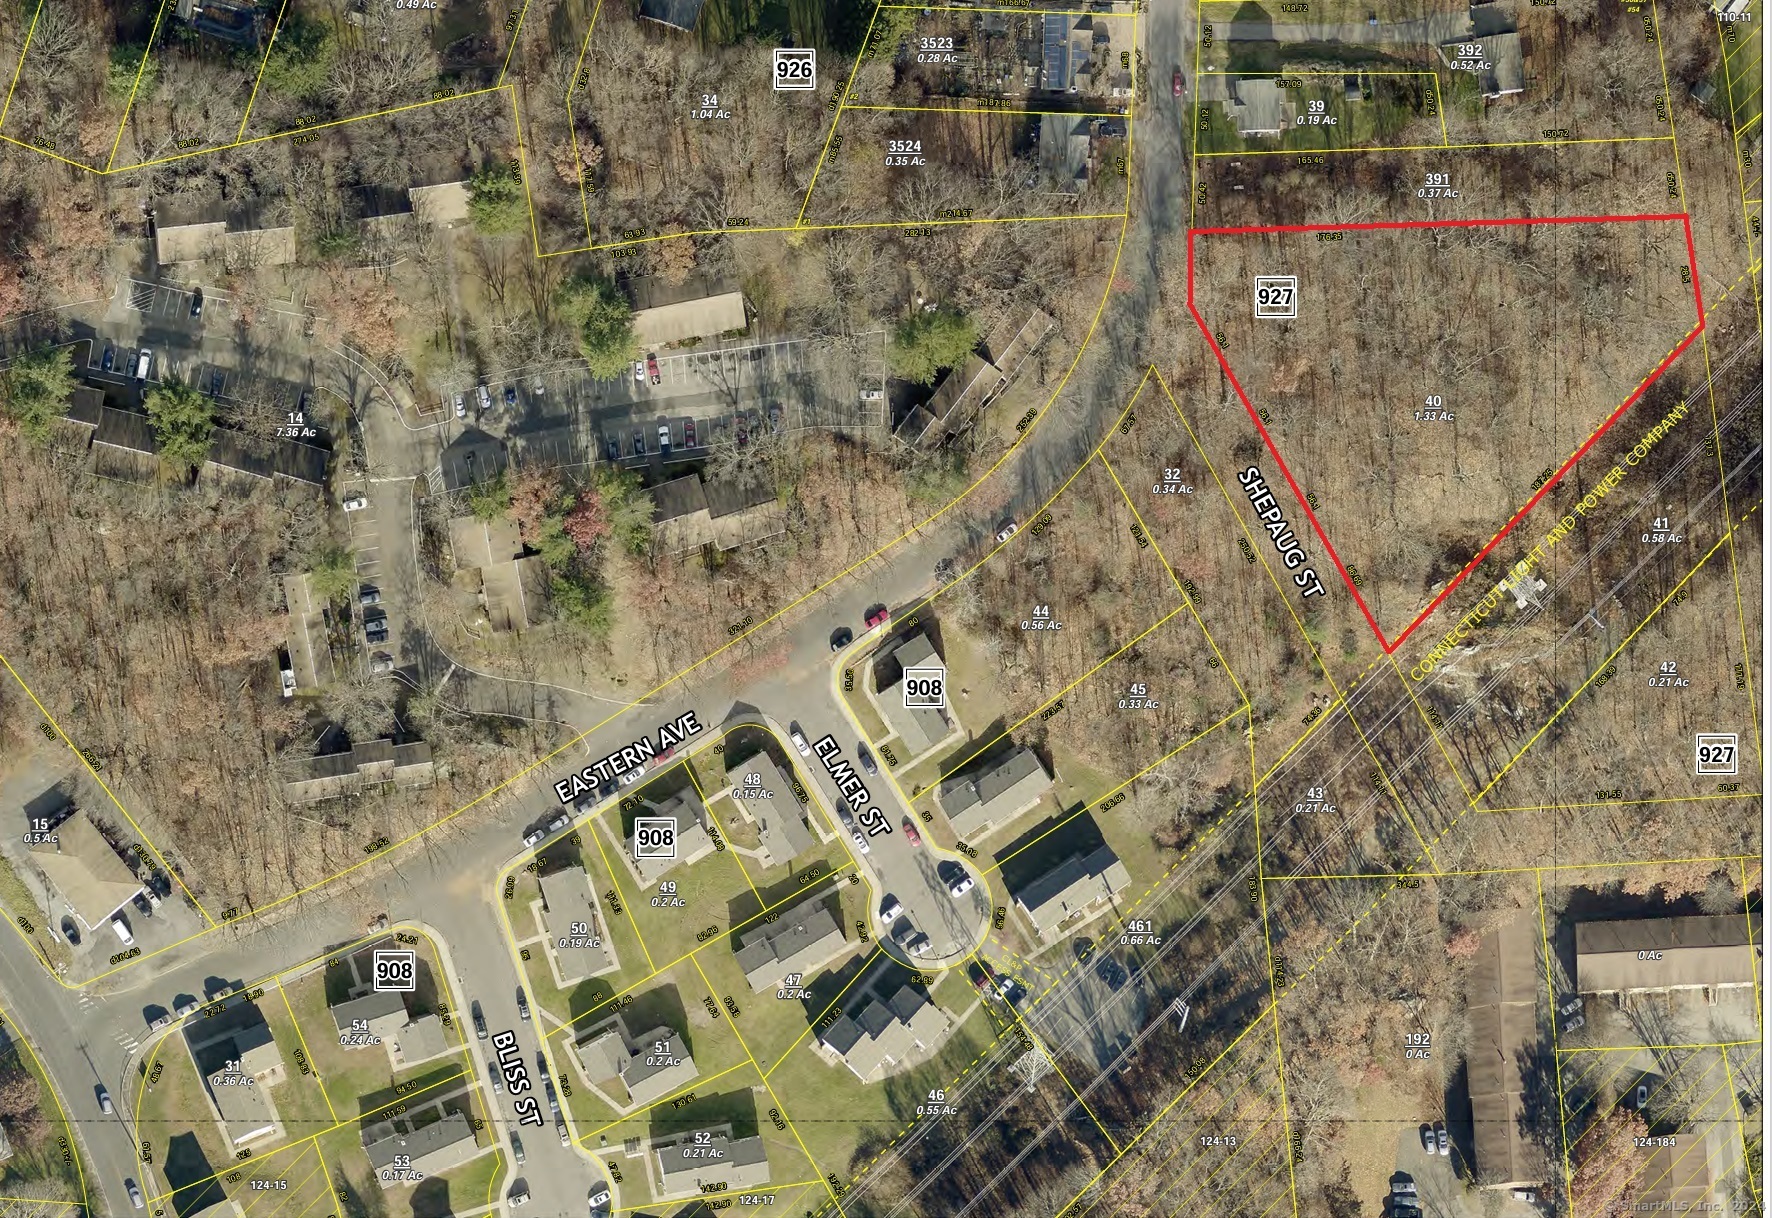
523	1006
639	442
110	357
776	422
867	759
479	1020
841	637
196	304
216	377
375	629
510	395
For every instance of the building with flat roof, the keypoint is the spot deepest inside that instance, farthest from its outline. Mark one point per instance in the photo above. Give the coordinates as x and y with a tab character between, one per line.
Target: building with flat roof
426	1151
365	765
1074	887
241	1062
244	1106
689	320
578	939
765	794
1640	955
370	1020
918	728
659	1065
693	844
1681	1175
710	1160
80	865
418	1041
995	793
876	1037
1503	993
801	940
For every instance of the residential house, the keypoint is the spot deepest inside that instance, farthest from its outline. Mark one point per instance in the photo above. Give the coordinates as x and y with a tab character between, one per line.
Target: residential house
995	793
685	811
373	763
710	1161
1646	955
800	940
650	1066
877	1037
918	728
406	1156
83	869
766	796
371	1019
1076	887
578	938
489	563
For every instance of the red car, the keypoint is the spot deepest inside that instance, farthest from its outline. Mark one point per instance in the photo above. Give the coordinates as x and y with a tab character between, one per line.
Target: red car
652	369
878	617
910	831
1175	83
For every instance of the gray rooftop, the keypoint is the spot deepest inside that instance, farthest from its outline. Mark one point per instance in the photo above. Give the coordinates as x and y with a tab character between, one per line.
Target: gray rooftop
798	941
770	801
686	1166
567	896
879	1034
995	793
435	1148
660	1065
686	810
373	1006
1074	885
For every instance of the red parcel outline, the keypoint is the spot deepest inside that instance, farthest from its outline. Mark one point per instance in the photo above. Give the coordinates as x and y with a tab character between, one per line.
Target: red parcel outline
1388	645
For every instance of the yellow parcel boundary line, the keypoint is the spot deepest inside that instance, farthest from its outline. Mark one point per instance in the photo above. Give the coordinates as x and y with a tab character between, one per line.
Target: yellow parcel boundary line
19	71
259	79
140	68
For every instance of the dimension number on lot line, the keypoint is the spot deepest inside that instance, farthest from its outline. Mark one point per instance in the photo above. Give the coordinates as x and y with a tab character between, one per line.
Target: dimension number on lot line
396	970
655	837
795	68
925	687
1717	753
1276	296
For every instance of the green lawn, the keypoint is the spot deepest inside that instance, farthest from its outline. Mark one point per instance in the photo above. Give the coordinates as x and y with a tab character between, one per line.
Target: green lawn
474	1184
301	1101
357	1080
173	1107
34	1164
833	1111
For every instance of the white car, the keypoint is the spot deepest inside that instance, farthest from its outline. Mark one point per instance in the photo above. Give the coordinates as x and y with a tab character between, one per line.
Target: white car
1009	529
122	929
135	1194
461	407
919	946
861	841
889	909
633	776
485	396
640	371
960	887
799	739
355	503
381	662
519	1199
288	679
534	837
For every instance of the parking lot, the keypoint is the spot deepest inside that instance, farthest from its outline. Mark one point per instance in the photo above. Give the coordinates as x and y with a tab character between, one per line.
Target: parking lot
374	612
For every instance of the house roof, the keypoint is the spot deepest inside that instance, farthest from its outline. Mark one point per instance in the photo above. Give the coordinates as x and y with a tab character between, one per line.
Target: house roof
994	793
373	761
1505	60
693	842
879	1034
1666	953
567	895
1258	106
1075	884
686	320
434	1148
1678	1178
372	1008
244	1105
125	429
1503	992
422	1039
770	801
603	1054
798	941
660	1065
686	1165
921	726
441	203
264	457
89	874
967	386
678	497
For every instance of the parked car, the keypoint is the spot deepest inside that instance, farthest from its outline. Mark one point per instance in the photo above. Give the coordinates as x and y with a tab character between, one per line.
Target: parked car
777	421
381	663
355	503
160	1021
135	1194
664	438
142	907
517	1147
910	832
633	776
375	630
639	443
187	1007
196	304
867	759
1642	1096
485	396
652	369
889	909
461	407
560	1128
522	1006
1429	1143
104	1100
217	378
479	1019
861	842
1175	83
799	739
71	931
144	363
878	616
534	837
510	397
688	433
1440	1137
368	594
519	1197
122	929
920	945
560	823
841	637
639	372
599	1198
110	357
1006	530
612	446
286	679
960	887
